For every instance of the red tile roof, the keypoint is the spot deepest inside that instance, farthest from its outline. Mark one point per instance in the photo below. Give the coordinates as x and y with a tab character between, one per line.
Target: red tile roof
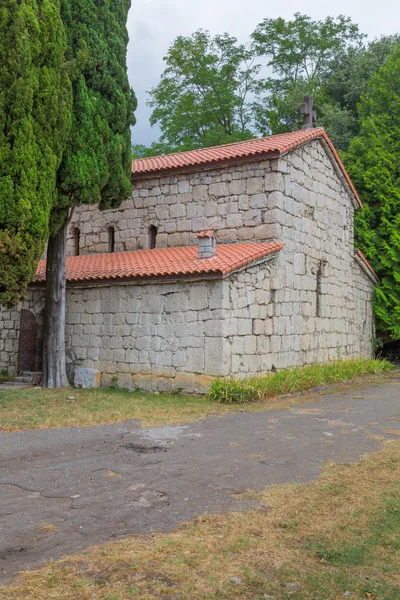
361	256
161	262
205	234
268	147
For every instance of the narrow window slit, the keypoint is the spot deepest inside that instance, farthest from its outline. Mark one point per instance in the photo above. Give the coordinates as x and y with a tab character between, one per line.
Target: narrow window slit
152	237
77	241
320	275
111	239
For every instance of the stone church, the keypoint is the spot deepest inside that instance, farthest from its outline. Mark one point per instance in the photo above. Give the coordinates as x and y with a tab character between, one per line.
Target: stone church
234	260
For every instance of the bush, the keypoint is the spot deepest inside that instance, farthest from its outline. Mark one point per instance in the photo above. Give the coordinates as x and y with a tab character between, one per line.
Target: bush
4	376
290	381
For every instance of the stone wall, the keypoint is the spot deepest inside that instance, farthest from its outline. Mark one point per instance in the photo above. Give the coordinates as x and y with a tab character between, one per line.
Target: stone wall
239	203
155	336
233	201
322	298
267	327
182	335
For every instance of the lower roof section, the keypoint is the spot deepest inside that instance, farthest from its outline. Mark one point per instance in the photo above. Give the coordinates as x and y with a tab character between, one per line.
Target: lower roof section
363	262
161	262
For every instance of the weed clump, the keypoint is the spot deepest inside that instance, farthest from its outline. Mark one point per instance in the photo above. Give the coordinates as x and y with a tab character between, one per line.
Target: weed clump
290	381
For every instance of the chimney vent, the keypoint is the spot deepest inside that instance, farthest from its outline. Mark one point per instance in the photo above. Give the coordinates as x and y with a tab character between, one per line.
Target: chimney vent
207	244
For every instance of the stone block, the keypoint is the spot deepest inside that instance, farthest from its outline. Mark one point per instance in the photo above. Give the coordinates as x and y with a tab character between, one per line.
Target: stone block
152	303
183	187
87	378
202	384
125	381
218	295
274	182
245	326
177	211
219	189
198	297
299	263
234	220
217	356
265	232
199	192
177	302
185	382
237	187
255	185
275	200
258	201
199	223
195	360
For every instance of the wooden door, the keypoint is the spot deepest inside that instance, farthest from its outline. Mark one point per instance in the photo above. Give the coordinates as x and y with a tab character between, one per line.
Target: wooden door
27	342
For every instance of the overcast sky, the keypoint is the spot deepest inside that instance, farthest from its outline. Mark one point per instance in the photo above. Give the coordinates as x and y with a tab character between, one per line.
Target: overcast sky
154	24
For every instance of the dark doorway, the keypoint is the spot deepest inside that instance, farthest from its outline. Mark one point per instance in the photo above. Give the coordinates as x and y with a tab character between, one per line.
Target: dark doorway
27	341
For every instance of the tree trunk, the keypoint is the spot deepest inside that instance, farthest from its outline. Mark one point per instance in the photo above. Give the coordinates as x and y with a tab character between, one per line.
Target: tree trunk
54	363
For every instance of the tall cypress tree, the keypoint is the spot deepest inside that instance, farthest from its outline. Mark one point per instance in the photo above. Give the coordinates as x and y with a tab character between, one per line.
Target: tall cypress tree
373	161
35	112
96	163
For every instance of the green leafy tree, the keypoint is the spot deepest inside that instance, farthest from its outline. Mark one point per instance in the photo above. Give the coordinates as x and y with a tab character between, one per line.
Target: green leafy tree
299	53
348	78
35	115
373	161
96	163
155	149
204	96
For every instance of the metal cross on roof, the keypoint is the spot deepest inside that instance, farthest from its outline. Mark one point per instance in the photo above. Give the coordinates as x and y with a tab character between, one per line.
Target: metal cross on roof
306	109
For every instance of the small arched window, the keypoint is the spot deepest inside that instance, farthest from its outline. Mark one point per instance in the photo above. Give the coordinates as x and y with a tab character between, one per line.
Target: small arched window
111	239
152	236
77	240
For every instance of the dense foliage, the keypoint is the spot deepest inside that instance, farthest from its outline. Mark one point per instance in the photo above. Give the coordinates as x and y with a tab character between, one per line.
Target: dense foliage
373	161
349	77
35	112
214	90
299	53
96	163
204	96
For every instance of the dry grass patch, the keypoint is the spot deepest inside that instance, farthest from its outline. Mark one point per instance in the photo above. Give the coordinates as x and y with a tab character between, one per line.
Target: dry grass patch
338	537
47	527
31	408
36	408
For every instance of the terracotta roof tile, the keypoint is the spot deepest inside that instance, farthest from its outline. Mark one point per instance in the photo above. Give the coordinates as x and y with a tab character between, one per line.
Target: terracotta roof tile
205	234
362	257
161	262
267	147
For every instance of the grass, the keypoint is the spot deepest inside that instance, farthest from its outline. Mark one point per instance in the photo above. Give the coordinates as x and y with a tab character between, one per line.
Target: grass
338	537
32	408
289	381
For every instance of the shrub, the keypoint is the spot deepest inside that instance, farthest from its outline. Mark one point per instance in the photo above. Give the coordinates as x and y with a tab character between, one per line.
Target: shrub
289	381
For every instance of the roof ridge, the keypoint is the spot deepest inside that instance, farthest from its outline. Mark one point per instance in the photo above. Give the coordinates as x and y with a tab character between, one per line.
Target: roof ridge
229	144
267	147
